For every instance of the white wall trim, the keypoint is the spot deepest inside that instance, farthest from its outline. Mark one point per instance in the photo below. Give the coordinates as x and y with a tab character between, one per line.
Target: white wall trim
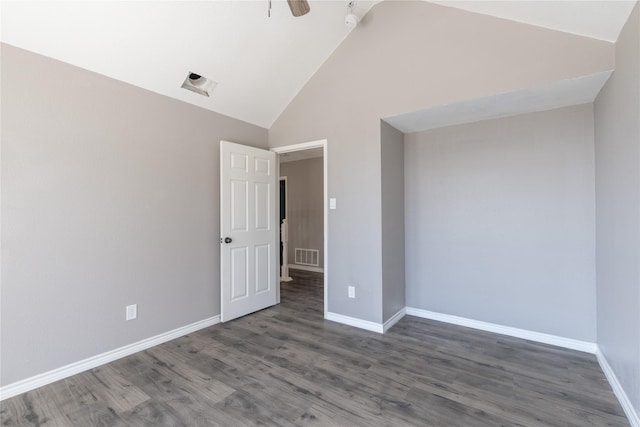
54	375
625	402
585	346
394	319
57	374
299	147
358	323
306	268
365	324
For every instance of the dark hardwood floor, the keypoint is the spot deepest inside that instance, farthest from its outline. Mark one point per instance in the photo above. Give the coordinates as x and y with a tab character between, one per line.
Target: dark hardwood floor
287	366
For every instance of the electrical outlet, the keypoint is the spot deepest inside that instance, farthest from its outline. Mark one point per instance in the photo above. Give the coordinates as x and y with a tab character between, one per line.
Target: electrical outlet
352	291
132	311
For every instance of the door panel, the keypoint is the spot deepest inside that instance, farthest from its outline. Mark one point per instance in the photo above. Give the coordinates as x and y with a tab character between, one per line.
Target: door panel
263	209
247	198
262	268
262	166
239	268
239	204
239	161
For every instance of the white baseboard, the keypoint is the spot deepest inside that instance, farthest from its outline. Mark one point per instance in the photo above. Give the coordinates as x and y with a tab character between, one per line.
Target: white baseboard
306	268
394	319
584	346
54	375
358	323
625	402
380	328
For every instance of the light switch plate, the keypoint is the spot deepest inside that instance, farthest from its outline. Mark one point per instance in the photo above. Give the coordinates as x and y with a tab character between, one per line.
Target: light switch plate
132	311
332	203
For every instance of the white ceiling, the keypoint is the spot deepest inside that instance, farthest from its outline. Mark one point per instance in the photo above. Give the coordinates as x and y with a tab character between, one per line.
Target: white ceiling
294	156
260	63
598	19
557	94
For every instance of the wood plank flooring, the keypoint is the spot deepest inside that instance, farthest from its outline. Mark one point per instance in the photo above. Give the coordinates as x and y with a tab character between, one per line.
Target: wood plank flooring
286	366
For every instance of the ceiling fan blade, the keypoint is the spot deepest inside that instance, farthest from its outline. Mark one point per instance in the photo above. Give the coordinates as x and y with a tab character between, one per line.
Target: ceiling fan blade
299	7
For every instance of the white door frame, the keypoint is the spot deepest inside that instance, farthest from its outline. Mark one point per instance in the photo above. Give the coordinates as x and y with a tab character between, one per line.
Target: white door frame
321	143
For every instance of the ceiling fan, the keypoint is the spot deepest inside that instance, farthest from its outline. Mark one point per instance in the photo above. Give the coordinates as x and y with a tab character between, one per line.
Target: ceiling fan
298	7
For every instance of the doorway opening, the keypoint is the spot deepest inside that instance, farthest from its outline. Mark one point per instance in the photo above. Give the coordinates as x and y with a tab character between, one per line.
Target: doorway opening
284	231
303	212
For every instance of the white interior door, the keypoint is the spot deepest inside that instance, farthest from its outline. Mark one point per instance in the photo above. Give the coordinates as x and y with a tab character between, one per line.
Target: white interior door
248	226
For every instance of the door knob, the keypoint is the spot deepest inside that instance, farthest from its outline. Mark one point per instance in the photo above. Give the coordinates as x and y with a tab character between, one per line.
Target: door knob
228	240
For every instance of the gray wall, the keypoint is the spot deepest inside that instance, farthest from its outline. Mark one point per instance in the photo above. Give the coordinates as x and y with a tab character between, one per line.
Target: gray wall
110	197
617	139
406	56
500	221
305	193
393	268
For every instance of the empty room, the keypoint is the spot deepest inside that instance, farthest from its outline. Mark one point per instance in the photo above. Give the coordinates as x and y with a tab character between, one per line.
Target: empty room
318	212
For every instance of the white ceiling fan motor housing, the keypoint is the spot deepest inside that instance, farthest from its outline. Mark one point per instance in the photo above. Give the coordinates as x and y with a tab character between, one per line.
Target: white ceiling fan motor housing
351	20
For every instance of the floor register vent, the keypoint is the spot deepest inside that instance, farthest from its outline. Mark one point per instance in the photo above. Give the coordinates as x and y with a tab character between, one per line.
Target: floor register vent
307	257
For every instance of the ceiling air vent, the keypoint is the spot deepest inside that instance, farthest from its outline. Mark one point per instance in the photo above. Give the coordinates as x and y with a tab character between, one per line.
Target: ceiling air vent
198	84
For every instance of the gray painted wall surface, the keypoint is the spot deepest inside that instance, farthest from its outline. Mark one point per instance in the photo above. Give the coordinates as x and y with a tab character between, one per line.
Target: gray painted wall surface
393	268
500	221
407	56
305	193
617	139
110	197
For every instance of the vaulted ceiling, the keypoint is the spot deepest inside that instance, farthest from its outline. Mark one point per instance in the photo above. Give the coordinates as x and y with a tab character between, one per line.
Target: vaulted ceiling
260	63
